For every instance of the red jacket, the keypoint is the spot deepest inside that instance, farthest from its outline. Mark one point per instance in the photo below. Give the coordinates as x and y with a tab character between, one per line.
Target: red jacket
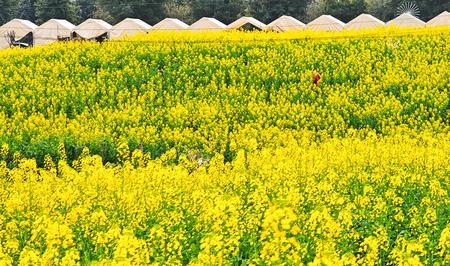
316	79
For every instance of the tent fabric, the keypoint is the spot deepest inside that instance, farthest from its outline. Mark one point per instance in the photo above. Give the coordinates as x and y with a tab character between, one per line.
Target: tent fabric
406	20
129	26
442	19
244	21
20	27
285	23
170	24
51	30
326	23
364	21
92	28
207	24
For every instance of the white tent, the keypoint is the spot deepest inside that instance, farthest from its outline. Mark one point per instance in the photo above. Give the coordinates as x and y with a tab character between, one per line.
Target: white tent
406	20
241	22
326	23
364	21
52	30
285	23
168	24
20	28
92	28
129	26
442	19
207	24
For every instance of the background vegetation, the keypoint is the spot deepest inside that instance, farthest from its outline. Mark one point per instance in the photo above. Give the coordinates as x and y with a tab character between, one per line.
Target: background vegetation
152	11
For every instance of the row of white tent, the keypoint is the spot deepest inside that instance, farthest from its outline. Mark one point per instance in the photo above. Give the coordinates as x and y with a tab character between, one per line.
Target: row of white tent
56	29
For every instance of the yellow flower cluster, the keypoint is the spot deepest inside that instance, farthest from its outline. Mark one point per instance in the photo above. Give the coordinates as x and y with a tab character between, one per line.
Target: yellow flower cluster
217	149
306	203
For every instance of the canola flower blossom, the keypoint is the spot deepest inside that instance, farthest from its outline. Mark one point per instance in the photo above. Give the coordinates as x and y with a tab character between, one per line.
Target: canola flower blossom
98	146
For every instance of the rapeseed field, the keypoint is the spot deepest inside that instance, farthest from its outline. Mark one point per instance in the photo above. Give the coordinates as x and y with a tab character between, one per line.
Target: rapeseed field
217	149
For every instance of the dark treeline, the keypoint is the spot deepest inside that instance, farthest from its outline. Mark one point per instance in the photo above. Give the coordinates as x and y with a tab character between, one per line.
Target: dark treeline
152	11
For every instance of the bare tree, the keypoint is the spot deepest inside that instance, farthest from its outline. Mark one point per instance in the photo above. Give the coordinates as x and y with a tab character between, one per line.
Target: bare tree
10	38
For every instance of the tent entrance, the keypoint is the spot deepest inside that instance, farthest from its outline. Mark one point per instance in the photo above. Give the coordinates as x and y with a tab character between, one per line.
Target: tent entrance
100	39
24	42
248	27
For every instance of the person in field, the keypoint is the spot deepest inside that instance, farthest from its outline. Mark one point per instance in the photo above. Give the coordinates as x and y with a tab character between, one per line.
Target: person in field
316	78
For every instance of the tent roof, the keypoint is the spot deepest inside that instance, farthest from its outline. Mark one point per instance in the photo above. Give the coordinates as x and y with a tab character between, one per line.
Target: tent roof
93	23
364	21
442	19
170	24
55	23
131	24
27	23
246	20
19	23
207	24
406	20
92	28
326	22
285	23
